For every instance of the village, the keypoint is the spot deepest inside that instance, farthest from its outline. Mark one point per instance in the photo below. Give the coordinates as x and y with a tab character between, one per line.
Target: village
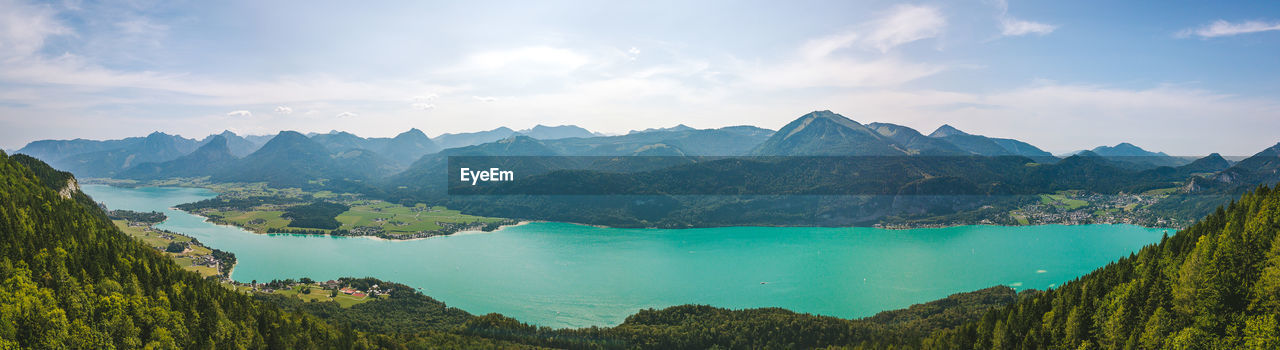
1064	208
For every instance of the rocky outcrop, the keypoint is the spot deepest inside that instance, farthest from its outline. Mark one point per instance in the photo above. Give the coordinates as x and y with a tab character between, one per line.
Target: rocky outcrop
72	187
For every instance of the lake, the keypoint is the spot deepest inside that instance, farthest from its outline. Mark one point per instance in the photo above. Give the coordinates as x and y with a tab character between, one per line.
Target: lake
566	275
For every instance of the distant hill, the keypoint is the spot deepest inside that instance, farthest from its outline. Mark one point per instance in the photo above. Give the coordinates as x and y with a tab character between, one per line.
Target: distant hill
472	138
915	142
212	157
1261	168
727	141
239	146
823	133
401	150
340	141
679	127
1135	157
987	146
291	159
91	158
1209	164
156	147
406	147
427	175
543	132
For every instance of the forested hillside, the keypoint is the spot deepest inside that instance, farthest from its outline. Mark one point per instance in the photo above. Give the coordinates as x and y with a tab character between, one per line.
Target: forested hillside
1215	285
72	280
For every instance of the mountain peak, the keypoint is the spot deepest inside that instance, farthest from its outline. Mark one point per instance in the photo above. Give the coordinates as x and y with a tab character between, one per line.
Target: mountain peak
414	132
287	136
826	133
1125	149
946	130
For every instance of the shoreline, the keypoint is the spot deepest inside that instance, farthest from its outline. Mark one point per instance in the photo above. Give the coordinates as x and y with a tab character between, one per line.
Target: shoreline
526	222
108	182
379	238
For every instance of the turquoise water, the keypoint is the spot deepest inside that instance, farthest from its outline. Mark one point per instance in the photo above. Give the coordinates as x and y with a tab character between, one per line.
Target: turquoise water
565	275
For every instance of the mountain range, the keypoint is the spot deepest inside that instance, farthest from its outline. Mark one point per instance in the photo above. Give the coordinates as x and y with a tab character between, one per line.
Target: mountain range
411	166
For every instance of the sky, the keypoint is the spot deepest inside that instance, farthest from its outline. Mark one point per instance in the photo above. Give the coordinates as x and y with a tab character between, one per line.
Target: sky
1182	77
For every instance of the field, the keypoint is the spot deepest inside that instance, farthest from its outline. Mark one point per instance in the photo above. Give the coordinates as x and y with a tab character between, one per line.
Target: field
161	241
318	294
400	219
365	216
1061	202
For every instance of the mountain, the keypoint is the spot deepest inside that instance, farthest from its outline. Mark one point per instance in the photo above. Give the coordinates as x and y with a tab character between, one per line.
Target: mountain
340	141
293	160
401	150
680	127
748	130
823	133
1209	164
987	146
239	146
52	150
472	138
259	140
543	132
426	176
914	142
1261	168
727	141
156	147
210	158
1135	157
406	147
90	158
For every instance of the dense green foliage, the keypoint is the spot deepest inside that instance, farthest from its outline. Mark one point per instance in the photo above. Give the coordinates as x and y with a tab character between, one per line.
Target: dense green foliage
71	279
1215	285
679	327
319	214
133	216
241	204
822	191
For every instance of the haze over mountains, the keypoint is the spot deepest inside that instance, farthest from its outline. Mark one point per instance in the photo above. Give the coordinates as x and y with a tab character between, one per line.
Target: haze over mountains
820	133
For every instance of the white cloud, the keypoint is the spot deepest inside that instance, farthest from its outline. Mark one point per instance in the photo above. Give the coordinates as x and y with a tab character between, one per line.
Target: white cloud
485	98
283	110
1010	26
347	115
422	106
426	97
24	28
240	113
819	62
1224	28
904	24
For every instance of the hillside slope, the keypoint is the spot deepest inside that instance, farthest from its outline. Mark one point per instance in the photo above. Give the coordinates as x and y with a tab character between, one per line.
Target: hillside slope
1215	285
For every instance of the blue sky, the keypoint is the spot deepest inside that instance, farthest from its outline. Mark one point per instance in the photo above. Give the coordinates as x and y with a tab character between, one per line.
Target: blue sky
1183	77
